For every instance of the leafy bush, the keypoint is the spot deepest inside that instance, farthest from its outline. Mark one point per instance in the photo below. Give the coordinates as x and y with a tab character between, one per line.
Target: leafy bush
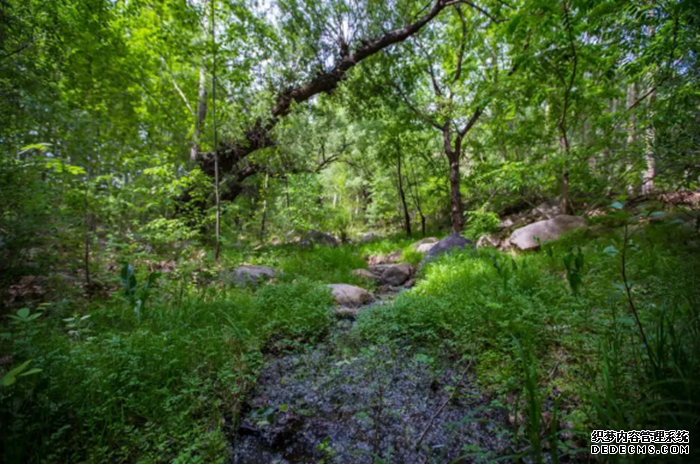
480	223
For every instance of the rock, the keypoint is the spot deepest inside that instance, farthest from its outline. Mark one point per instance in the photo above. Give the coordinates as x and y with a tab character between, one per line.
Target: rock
369	236
385	259
396	274
252	274
449	243
524	238
490	241
346	313
425	247
364	274
409	283
425	241
547	210
322	238
350	295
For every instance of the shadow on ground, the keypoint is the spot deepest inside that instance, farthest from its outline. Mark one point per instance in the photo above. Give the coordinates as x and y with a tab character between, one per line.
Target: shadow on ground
347	402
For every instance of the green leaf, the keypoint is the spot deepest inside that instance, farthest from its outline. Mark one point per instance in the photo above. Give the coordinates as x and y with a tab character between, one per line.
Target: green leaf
11	377
617	205
611	251
36	370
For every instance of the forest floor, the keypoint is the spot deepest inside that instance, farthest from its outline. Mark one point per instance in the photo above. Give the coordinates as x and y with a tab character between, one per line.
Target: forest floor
349	401
489	355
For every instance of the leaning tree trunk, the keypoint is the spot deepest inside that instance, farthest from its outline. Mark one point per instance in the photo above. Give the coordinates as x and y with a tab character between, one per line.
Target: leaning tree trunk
259	136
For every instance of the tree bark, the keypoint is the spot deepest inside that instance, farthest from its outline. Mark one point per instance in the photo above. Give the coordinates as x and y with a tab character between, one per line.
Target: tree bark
266	187
201	114
650	136
406	215
217	250
86	220
413	190
631	129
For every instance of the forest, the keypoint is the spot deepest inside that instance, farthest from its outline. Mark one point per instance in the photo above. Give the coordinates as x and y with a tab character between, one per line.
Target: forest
349	231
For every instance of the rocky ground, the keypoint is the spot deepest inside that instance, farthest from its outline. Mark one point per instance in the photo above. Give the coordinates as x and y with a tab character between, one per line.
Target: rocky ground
346	401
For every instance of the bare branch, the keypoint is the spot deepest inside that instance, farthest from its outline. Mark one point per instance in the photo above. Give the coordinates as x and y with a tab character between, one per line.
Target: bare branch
422	115
477	8
177	87
462	46
475	117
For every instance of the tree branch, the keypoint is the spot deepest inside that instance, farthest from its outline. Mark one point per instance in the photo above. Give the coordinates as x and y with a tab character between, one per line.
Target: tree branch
259	136
420	114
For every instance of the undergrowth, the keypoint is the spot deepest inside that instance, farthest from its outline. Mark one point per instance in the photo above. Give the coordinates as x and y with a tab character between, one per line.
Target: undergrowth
556	327
159	388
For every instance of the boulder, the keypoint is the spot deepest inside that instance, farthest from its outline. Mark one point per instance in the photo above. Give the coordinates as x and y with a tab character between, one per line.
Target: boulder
350	295
447	244
490	241
424	241
252	274
547	210
364	274
396	274
425	247
346	313
369	236
524	238
385	259
322	238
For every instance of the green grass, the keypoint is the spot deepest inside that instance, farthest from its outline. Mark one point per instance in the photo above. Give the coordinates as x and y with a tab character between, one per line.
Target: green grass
529	328
166	386
155	390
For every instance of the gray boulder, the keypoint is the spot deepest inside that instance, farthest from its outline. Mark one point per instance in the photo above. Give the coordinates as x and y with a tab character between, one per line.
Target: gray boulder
547	210
447	244
393	257
252	274
424	241
425	247
364	274
524	238
370	236
396	274
350	295
322	238
490	241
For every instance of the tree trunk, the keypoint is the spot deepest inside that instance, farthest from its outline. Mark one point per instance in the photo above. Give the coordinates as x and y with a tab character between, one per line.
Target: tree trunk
406	215
413	190
455	195
259	136
264	210
631	129
87	223
217	250
201	114
650	136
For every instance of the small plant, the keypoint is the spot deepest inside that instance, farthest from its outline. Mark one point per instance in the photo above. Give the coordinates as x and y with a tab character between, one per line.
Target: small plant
77	325
136	295
574	261
19	371
480	223
24	315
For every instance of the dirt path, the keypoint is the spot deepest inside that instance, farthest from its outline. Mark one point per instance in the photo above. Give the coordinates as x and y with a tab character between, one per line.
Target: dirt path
349	401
